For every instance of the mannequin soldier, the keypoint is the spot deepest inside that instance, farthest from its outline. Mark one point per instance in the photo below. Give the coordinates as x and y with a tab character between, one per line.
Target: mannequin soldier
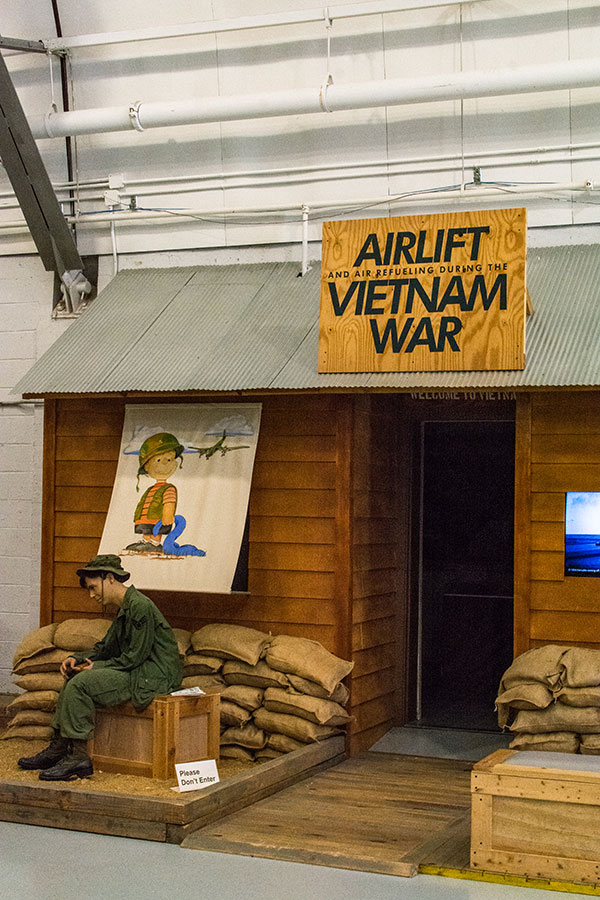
136	660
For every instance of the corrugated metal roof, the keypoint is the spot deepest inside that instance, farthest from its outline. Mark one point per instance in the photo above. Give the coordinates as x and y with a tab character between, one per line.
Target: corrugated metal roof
256	327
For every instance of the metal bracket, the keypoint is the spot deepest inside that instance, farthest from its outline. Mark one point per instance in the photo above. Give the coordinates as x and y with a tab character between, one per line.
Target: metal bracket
75	288
134	115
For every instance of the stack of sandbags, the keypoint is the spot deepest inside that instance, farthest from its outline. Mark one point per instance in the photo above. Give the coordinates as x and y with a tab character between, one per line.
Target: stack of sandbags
36	671
278	693
554	694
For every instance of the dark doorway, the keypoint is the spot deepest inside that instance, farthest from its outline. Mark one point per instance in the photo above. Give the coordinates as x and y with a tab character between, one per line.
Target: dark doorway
466	570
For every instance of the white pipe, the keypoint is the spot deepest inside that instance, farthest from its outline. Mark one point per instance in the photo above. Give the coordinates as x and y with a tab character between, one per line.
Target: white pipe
305	266
327	98
471	195
243	23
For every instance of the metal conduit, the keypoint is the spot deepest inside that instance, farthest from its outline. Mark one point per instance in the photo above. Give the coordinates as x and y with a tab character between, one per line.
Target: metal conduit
327	98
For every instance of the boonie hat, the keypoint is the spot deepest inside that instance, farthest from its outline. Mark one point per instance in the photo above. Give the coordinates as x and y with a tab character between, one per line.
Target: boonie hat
105	562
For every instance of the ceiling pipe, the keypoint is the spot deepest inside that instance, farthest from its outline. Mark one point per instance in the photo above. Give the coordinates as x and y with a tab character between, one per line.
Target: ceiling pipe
327	98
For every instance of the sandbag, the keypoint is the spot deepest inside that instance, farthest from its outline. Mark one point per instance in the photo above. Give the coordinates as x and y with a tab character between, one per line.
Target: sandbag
35	642
234	751
201	664
340	693
580	667
41	681
231	642
541	664
32	717
244	695
183	640
268	753
28	733
557	742
309	659
283	743
558	717
314	709
579	696
45	661
34	700
293	726
202	681
232	714
590	744
260	675
532	695
248	736
80	634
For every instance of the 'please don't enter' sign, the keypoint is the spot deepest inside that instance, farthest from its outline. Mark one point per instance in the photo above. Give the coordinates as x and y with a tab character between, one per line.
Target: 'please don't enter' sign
444	292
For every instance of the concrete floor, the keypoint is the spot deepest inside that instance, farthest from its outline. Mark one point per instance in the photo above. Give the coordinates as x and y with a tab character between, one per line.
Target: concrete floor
52	864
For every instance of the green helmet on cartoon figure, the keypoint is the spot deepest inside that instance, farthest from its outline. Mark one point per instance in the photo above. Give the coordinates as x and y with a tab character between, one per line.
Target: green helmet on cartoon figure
158	443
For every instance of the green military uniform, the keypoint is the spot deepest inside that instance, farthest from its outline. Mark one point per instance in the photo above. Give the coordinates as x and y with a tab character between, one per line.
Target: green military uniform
136	660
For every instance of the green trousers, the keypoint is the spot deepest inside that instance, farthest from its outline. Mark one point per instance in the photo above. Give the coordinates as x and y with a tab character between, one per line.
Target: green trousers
102	685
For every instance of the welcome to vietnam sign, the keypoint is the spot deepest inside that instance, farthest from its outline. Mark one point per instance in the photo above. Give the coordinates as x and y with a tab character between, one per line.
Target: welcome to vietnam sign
437	293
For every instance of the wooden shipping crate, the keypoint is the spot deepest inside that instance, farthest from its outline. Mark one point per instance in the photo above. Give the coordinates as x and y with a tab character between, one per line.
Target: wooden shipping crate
171	730
536	814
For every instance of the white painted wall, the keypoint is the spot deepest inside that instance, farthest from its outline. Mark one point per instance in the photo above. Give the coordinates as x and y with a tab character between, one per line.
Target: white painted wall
364	156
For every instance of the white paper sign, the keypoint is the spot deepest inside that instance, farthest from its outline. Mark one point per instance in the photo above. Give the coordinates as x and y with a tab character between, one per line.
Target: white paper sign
193	776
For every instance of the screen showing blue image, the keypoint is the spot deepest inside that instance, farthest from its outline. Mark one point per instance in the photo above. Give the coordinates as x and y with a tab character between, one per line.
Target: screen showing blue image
582	533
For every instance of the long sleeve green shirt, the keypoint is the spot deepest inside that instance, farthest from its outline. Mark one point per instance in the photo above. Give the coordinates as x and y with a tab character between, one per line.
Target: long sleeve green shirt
141	641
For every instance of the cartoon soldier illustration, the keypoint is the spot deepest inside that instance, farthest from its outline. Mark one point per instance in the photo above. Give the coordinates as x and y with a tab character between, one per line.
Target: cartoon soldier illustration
158	459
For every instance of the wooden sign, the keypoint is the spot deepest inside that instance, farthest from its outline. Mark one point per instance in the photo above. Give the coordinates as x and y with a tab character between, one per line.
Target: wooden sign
424	293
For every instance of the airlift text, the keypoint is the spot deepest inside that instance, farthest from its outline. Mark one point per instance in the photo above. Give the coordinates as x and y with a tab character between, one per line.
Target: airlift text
455	288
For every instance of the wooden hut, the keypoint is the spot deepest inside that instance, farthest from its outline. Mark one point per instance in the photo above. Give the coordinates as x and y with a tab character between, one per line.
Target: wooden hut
357	478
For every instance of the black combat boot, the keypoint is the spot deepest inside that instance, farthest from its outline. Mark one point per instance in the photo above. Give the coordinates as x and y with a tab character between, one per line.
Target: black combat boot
76	765
49	756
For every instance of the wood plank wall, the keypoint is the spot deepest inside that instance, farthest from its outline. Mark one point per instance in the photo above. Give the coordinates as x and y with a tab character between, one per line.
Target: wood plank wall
565	456
292	559
378	573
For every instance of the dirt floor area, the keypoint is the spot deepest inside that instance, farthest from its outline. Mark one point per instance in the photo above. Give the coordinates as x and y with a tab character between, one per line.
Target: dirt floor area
102	782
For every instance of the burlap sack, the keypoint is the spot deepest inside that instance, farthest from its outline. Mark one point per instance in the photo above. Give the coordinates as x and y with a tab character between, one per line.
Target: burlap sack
293	726
283	744
246	736
541	664
233	751
309	659
35	642
557	742
579	696
260	675
41	681
580	667
28	733
590	744
244	695
34	700
340	694
231	642
558	717
32	717
46	661
202	681
183	639
200	664
314	709
232	714
533	695
268	753
80	634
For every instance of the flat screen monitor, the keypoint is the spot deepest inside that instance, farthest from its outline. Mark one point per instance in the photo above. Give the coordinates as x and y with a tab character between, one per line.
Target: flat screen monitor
582	533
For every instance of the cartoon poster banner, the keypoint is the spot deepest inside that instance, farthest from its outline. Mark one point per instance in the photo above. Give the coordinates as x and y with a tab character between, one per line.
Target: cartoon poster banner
423	293
180	497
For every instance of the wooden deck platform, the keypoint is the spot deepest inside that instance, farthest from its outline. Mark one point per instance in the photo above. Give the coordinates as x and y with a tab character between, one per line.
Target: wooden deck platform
377	812
80	806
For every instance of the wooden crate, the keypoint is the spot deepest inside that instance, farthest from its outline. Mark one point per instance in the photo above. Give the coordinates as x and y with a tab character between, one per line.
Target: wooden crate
536	814
171	730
